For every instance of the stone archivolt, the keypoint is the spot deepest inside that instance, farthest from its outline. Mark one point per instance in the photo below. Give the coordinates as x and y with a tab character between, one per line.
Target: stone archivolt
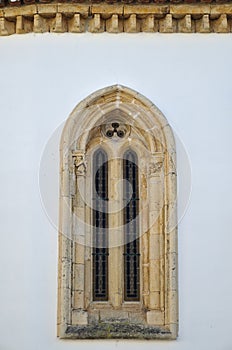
205	17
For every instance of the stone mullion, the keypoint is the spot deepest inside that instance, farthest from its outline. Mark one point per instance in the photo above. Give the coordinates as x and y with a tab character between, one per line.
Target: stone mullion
115	234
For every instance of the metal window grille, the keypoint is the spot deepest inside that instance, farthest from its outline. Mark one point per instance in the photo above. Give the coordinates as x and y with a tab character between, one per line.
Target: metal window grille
131	231
100	224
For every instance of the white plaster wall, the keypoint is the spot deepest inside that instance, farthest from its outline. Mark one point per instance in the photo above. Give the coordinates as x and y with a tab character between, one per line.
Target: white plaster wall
42	78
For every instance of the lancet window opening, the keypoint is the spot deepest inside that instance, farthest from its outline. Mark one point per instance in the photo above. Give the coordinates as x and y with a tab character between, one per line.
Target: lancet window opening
131	227
100	223
131	250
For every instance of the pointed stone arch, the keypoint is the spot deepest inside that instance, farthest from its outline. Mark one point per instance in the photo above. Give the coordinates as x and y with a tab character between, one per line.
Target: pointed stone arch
148	132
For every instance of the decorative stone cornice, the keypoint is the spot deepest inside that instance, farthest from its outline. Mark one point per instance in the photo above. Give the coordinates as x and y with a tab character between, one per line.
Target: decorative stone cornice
116	18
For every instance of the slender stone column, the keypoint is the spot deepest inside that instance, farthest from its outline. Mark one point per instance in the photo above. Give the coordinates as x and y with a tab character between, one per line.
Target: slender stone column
115	235
155	175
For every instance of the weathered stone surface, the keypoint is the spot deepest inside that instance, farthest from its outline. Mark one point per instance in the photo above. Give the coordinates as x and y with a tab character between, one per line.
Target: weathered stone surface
96	24
116	330
155	317
221	9
79	253
68	9
114	24
133	2
76	24
107	11
179	11
23	25
65	273
168	18
78	299
220	25
203	24
131	25
93	316
172	313
111	315
48	9
78	277
59	24
6	27
145	9
154	246
166	24
172	281
154	300
185	25
28	10
149	24
137	317
79	317
154	275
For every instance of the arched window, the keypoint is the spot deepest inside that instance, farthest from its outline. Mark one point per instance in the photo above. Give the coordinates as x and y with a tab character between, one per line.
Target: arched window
118	232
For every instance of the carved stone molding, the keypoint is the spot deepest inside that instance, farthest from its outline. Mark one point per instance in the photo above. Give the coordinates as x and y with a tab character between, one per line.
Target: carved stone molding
116	18
79	163
155	167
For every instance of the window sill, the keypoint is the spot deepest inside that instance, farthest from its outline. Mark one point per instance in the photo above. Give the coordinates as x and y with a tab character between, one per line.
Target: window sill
116	330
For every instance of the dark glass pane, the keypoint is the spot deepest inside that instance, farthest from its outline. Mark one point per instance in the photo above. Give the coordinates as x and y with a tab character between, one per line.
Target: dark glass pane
100	224
131	231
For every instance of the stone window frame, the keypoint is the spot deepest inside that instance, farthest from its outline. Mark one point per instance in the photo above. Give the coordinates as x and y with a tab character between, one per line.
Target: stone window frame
159	299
